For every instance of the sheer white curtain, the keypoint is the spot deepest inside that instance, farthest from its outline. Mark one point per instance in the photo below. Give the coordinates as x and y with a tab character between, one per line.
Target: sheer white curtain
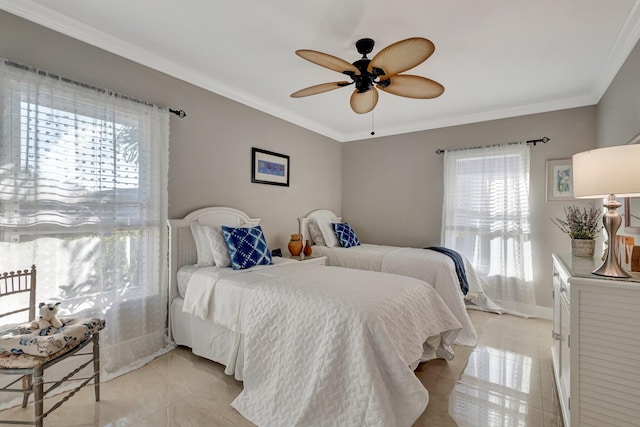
83	195
486	218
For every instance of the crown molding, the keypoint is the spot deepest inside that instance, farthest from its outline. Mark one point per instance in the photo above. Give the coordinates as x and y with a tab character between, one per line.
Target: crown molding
35	12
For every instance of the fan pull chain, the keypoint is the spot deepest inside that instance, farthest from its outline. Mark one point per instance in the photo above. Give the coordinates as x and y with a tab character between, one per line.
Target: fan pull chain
372	123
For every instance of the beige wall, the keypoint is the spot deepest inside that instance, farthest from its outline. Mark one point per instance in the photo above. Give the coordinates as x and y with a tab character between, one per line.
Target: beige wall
619	111
619	107
392	187
210	150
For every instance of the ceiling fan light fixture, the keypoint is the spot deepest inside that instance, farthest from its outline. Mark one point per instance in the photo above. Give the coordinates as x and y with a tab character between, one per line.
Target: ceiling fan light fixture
382	71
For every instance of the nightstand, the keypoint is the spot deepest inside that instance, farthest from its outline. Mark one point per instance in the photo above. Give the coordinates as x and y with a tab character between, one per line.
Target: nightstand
320	260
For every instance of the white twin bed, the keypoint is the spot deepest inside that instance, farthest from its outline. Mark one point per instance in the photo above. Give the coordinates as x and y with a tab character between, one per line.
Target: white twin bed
433	267
314	345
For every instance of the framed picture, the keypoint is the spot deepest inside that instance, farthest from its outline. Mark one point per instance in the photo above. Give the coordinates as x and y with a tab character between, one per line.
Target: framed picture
632	205
268	167
559	180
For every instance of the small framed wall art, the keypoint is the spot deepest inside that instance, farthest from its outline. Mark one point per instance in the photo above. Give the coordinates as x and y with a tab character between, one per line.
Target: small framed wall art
268	167
559	180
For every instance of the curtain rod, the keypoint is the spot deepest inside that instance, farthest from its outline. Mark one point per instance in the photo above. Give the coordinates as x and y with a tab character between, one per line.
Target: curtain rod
179	113
544	140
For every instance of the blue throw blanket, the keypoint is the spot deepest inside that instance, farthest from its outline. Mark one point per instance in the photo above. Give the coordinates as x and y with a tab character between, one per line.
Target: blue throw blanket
459	264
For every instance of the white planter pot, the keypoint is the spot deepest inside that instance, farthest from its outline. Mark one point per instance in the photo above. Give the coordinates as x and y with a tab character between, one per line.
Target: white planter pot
583	247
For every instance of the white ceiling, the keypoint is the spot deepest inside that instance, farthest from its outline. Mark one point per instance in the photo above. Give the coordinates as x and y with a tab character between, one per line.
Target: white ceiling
495	58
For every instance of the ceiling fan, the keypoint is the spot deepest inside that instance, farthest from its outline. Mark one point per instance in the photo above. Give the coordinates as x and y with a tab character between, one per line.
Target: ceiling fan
382	72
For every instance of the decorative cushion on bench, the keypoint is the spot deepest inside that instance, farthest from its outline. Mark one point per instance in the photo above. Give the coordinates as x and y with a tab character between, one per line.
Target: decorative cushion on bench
21	342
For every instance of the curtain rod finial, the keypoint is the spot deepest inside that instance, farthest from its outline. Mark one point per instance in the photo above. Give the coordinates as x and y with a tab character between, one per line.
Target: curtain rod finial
179	113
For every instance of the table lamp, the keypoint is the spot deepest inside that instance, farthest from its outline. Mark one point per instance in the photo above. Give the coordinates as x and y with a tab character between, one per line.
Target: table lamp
608	172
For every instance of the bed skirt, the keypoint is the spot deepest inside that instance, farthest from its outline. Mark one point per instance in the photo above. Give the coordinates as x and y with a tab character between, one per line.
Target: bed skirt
208	340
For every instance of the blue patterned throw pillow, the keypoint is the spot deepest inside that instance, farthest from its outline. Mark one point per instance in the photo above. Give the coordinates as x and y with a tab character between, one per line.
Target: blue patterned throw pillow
345	234
247	247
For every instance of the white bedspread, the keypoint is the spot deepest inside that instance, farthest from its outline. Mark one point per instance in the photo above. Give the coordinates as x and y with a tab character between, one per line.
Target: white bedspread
433	267
225	309
332	346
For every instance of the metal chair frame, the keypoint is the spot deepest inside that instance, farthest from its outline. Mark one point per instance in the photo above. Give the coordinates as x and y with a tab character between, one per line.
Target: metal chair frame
32	378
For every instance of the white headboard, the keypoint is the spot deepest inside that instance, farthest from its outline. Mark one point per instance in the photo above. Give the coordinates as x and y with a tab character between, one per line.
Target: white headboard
182	247
311	216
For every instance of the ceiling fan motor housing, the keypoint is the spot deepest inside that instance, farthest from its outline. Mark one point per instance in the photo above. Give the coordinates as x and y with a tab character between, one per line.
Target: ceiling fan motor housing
366	79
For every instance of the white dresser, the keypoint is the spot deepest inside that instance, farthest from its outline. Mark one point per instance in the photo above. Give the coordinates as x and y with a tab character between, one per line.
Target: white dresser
596	348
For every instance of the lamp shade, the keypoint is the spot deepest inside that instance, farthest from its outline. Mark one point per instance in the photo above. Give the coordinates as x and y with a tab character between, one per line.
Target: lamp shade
612	170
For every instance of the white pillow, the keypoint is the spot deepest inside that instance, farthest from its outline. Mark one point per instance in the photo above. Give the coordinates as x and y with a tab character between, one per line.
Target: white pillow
328	234
218	246
316	235
203	248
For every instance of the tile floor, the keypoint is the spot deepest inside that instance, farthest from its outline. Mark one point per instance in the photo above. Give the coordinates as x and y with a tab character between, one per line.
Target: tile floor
506	380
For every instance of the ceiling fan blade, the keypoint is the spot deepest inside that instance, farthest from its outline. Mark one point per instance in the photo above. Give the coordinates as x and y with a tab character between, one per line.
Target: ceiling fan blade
402	56
413	87
363	102
314	90
328	61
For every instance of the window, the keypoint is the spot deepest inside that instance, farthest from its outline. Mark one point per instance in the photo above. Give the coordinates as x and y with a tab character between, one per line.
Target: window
83	195
486	218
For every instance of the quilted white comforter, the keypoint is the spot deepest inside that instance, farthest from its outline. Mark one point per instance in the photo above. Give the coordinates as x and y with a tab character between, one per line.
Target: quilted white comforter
433	267
333	346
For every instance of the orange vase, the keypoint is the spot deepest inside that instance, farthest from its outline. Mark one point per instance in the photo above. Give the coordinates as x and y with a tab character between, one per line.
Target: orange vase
307	249
295	244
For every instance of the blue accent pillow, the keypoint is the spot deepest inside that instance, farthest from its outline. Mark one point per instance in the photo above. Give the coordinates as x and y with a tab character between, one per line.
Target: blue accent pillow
345	234
247	247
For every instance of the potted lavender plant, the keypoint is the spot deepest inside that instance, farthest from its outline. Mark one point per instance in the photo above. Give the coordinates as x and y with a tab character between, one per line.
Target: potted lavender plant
582	226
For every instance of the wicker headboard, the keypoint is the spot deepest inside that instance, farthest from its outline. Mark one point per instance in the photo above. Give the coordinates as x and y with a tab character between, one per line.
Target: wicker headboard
311	216
182	247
